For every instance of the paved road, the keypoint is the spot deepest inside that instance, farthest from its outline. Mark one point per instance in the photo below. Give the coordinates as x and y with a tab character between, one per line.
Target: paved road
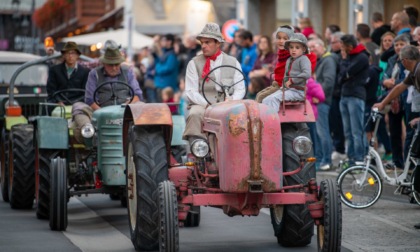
98	224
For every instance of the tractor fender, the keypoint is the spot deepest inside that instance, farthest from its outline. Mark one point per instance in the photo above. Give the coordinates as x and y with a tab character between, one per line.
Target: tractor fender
13	120
51	132
148	114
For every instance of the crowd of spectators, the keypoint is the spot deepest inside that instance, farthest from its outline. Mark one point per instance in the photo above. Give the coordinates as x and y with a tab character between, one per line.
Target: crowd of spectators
352	71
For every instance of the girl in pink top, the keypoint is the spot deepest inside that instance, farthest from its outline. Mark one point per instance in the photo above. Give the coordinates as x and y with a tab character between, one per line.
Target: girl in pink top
315	95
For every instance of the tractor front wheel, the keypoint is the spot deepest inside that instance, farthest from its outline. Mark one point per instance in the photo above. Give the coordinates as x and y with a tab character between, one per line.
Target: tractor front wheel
147	166
168	216
42	182
22	167
294	227
330	229
58	200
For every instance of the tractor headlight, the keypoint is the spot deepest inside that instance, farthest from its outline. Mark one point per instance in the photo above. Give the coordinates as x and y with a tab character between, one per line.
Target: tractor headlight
199	148
302	145
88	130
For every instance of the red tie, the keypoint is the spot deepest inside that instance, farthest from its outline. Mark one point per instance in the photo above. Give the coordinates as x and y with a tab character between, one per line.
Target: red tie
206	68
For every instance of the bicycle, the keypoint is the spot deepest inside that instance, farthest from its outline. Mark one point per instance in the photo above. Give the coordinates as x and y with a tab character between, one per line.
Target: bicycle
361	185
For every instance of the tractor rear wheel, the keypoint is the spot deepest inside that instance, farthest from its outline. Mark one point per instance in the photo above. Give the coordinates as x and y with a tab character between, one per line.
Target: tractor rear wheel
58	200
193	217
168	213
178	152
147	166
294	227
42	182
330	229
5	165
22	167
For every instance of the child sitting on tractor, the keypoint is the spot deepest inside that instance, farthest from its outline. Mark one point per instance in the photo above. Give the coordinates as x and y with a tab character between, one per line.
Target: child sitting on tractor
298	71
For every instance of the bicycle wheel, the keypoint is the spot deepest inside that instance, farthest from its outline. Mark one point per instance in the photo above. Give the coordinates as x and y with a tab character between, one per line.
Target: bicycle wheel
416	194
359	187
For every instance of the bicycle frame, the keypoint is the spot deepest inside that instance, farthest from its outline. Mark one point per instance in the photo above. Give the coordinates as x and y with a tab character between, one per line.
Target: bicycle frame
396	180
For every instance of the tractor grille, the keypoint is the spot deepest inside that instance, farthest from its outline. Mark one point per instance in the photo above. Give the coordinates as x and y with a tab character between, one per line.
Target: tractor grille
110	143
110	154
29	110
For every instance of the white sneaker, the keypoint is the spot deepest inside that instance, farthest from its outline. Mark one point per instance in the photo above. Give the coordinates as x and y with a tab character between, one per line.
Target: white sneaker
338	156
324	167
359	163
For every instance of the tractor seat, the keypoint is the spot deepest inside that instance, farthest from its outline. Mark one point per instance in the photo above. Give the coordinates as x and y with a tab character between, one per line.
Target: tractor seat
285	103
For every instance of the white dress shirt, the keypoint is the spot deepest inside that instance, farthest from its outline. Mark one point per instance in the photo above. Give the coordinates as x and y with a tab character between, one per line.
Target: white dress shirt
192	82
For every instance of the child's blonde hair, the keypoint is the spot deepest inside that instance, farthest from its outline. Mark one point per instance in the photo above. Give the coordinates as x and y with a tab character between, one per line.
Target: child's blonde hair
169	92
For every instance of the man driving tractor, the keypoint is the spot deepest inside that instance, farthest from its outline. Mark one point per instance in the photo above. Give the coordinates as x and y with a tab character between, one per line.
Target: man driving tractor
112	70
198	68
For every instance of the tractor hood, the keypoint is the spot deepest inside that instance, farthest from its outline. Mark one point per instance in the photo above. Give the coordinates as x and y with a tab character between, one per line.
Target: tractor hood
248	147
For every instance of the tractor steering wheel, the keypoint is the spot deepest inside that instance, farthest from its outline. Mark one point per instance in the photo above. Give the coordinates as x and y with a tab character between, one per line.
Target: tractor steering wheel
113	96
61	95
225	88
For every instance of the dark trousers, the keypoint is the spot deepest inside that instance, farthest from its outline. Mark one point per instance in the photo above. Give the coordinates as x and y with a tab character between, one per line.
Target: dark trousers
395	129
315	141
383	136
409	115
336	126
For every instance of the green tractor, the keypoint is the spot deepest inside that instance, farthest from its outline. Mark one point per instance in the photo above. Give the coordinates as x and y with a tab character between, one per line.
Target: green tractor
66	168
25	89
22	88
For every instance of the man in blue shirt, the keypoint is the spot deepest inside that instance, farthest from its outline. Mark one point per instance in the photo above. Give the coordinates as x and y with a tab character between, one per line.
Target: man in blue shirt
249	53
166	65
111	70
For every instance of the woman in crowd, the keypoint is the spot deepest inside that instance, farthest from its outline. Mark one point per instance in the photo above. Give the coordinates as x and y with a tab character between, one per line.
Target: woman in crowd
264	64
395	74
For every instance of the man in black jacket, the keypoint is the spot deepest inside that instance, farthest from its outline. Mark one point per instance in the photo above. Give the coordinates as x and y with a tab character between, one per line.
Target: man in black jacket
353	75
67	75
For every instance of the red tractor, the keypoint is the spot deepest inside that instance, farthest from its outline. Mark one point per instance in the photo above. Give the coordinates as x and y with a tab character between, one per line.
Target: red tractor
253	158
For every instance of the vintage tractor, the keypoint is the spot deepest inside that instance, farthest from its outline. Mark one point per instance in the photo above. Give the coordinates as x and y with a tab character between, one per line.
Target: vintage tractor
17	152
17	103
67	168
252	158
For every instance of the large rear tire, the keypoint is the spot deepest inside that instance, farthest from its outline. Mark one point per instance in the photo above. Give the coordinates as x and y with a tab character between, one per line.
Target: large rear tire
294	227
58	194
22	167
178	152
147	166
168	213
330	229
42	184
4	165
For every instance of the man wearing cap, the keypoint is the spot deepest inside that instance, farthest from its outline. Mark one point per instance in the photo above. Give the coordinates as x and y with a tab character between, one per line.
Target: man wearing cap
111	70
212	57
67	75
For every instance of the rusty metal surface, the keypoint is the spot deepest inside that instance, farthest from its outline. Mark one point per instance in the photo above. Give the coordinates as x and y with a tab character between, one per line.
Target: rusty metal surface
179	174
296	113
248	144
141	113
240	200
150	114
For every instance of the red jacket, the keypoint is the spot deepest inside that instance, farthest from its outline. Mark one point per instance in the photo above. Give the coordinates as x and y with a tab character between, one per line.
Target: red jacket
282	56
